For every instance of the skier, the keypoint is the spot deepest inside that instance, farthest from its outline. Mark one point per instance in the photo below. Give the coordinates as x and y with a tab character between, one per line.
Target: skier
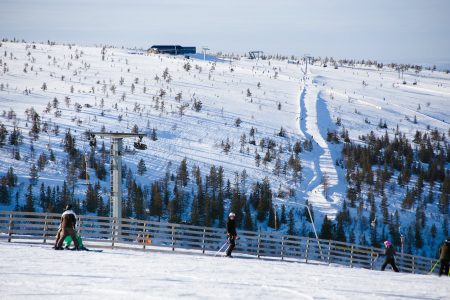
67	227
231	233
389	253
444	252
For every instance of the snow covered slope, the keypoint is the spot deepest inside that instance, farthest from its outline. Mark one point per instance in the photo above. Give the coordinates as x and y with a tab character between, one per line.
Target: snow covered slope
119	274
109	88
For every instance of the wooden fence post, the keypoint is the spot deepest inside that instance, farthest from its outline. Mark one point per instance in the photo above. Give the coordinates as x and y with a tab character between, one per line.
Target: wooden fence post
10	227
173	238
413	266
144	235
329	252
45	228
113	231
307	251
351	257
282	247
203	240
80	224
259	245
371	258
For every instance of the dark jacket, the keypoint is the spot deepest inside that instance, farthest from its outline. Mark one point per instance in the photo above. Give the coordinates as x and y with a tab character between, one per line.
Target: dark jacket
68	220
444	252
389	252
231	227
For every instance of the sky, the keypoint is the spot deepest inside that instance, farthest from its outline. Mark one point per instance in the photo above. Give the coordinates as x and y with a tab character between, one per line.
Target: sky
415	31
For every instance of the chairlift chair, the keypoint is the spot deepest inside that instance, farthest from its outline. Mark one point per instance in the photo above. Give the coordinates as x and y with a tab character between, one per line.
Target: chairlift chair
139	145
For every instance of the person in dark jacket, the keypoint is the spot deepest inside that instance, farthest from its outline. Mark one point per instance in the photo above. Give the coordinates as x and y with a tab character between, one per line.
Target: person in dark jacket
389	254
231	233
67	228
444	257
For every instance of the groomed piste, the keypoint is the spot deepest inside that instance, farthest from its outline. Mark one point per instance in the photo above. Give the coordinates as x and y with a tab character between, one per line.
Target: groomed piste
39	272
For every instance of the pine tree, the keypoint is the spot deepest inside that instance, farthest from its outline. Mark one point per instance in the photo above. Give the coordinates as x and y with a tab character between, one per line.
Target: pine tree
34	175
340	232
283	219
248	222
326	231
36	125
91	199
153	135
384	209
3	134
29	199
141	168
4	193
182	173
195	216
156	204
291	223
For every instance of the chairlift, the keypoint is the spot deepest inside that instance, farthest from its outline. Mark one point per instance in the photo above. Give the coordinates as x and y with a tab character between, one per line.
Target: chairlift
139	145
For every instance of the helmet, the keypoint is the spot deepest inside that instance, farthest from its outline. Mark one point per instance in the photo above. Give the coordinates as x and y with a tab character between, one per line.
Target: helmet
232	214
387	243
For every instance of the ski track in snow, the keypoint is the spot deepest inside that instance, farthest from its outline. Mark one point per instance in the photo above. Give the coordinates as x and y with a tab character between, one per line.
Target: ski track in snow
120	274
314	119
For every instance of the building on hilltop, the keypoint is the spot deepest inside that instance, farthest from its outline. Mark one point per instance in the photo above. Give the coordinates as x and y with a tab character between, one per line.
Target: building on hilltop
171	49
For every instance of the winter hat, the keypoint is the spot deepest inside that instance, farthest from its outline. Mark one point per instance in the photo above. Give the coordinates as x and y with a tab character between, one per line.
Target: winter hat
387	243
232	214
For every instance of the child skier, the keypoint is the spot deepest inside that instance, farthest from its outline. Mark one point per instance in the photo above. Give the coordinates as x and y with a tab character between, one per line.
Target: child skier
389	253
231	233
444	257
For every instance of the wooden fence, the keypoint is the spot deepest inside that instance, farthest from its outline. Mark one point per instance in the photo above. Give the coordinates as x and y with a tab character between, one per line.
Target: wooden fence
102	232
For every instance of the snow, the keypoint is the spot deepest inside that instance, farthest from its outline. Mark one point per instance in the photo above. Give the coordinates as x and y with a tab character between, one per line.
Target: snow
37	272
309	108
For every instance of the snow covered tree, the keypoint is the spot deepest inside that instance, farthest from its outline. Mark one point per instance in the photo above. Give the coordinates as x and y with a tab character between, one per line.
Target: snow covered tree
34	175
141	168
3	134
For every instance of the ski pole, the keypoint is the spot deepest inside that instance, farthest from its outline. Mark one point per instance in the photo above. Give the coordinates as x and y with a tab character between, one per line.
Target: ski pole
432	269
220	249
376	259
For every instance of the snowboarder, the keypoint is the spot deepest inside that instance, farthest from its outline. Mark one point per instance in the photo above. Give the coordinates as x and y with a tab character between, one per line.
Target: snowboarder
231	233
67	227
444	257
389	253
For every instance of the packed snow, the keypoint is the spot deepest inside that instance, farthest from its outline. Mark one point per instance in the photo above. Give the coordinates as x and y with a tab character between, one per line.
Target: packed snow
37	272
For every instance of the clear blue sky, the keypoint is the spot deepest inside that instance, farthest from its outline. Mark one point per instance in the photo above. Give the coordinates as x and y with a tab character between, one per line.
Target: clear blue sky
388	30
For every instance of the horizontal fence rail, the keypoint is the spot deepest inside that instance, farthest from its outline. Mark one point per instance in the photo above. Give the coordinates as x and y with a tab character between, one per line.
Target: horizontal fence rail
105	232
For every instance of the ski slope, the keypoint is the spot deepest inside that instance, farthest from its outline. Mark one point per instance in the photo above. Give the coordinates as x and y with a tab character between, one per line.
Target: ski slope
37	272
281	96
314	123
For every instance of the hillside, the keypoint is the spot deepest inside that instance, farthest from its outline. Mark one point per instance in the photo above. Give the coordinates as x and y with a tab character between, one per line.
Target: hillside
216	128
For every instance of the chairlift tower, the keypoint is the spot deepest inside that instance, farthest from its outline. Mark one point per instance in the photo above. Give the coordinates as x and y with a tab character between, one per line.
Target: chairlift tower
204	50
116	167
307	58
